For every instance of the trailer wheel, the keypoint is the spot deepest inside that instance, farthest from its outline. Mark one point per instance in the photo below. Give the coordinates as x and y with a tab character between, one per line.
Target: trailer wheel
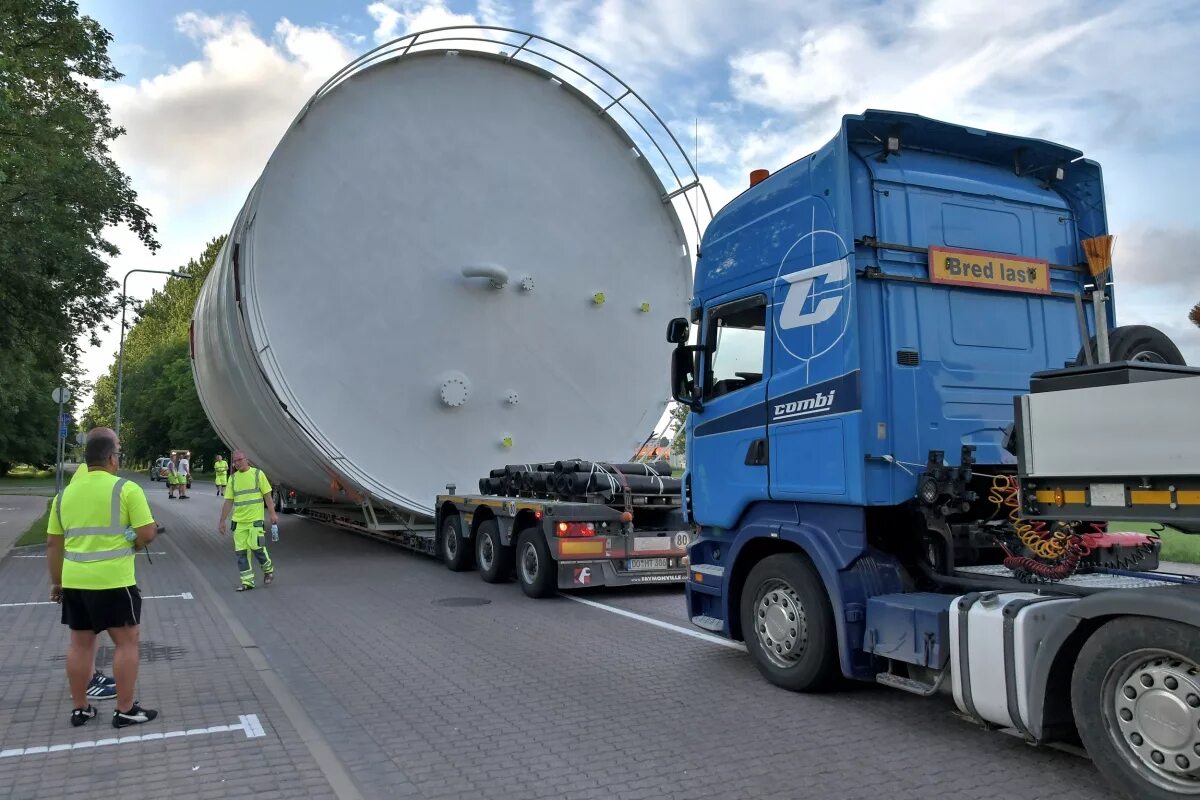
787	622
494	559
1135	693
535	568
1138	343
453	548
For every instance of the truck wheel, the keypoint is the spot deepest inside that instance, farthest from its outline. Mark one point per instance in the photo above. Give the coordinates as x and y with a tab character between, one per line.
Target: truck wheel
1138	343
787	623
535	568
493	558
1135	693
454	549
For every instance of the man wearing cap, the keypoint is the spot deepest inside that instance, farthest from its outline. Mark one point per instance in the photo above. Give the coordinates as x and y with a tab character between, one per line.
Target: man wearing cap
95	526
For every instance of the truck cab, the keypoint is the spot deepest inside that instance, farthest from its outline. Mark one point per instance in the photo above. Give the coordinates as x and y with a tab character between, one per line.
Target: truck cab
863	323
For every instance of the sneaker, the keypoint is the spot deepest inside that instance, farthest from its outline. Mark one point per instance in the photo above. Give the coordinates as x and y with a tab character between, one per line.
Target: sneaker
269	578
80	716
134	716
101	687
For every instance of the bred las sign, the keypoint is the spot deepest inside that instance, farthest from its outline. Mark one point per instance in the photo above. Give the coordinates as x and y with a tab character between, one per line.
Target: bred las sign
989	270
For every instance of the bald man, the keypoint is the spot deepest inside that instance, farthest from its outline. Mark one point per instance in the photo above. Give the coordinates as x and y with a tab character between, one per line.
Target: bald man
248	496
96	524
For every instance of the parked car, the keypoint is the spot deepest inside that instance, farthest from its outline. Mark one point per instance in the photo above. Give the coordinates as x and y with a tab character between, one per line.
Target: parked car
160	469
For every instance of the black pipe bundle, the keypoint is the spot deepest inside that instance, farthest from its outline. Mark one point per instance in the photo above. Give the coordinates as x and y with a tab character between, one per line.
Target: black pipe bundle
582	483
661	468
576	478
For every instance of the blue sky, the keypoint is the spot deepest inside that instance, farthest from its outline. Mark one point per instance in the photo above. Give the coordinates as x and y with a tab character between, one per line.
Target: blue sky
211	85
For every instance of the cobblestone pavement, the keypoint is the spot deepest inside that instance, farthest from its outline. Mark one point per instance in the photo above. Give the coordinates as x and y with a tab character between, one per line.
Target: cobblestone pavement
425	683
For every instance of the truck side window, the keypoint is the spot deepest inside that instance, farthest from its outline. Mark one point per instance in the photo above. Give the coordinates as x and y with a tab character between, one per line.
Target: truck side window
735	338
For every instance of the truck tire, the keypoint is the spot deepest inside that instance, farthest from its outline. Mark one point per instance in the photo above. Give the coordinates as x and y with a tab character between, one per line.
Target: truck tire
495	561
1158	663
1138	343
536	570
453	547
787	623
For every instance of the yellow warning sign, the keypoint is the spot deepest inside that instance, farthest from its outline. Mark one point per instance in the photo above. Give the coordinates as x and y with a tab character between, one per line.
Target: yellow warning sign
988	270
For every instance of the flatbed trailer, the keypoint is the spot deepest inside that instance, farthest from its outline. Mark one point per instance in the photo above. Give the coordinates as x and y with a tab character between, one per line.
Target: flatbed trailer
547	544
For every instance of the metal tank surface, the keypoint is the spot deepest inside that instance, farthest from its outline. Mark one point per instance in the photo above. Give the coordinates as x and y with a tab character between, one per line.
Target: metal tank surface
463	253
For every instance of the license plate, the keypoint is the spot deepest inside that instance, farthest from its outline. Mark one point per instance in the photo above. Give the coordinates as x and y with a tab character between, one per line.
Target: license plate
646	563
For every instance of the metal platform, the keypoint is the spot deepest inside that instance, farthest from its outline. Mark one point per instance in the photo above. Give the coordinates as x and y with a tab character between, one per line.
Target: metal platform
1095	580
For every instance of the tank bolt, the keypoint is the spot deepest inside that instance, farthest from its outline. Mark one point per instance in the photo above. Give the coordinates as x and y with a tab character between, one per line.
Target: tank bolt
598	298
512	399
507	441
527	283
645	308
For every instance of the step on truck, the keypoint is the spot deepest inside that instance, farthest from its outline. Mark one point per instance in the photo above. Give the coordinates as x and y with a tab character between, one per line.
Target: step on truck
915	437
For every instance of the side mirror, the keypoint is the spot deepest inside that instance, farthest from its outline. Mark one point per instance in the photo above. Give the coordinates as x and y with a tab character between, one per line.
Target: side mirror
678	331
684	369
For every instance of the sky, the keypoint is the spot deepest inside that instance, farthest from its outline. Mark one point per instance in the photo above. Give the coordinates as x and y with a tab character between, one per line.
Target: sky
210	86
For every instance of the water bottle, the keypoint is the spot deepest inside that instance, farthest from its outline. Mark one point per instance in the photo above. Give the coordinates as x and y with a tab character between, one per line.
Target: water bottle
274	532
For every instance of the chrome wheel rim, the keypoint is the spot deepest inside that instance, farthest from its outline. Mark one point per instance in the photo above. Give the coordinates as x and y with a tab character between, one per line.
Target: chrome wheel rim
487	551
1152	713
450	543
780	623
529	563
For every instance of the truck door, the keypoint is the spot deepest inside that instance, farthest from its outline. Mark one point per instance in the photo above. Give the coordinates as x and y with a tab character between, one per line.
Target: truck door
727	457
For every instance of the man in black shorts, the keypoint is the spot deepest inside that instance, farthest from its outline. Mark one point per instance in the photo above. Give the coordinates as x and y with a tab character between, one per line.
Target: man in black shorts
95	526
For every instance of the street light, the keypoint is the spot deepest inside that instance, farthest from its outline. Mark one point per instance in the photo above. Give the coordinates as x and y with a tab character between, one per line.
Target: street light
121	354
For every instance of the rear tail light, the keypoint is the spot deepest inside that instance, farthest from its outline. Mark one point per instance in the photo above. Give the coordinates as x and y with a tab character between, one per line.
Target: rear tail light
575	529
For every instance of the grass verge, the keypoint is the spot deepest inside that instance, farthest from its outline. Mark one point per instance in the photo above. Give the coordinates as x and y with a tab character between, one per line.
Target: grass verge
36	533
1176	546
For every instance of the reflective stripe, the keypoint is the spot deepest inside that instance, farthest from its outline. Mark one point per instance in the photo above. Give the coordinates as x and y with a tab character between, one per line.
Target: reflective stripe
114	528
251	502
99	555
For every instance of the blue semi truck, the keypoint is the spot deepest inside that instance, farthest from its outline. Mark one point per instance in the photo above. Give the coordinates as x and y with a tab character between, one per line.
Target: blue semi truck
910	445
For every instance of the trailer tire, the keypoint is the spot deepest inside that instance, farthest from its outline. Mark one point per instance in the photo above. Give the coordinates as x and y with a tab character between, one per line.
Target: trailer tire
495	561
453	547
535	568
787	622
1158	662
1138	343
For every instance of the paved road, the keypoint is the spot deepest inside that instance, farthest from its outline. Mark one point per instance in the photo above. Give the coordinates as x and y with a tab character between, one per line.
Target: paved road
17	513
376	673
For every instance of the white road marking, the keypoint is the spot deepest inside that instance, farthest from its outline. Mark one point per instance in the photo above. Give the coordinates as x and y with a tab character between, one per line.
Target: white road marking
247	723
183	596
660	624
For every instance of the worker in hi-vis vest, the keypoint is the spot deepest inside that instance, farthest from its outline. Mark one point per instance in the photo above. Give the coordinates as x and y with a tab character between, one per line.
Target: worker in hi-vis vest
220	472
96	524
248	496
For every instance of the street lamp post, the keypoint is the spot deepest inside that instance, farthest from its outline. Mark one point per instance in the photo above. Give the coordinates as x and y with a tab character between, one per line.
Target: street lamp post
121	349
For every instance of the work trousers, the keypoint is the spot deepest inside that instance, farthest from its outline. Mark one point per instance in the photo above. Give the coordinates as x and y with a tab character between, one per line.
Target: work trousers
248	538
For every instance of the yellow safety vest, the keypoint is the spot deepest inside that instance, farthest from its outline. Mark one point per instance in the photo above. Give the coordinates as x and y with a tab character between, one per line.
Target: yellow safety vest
96	553
245	499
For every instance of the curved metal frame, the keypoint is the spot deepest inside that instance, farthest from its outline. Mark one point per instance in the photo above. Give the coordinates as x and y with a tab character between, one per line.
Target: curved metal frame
682	178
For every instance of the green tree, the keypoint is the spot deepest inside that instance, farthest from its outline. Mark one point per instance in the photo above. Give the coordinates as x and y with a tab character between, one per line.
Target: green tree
59	190
160	409
679	415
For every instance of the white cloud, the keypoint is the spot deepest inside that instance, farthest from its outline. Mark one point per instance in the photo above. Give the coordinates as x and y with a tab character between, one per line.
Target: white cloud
396	18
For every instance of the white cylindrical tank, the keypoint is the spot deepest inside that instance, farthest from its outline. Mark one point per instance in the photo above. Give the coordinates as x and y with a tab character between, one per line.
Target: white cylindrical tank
451	261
